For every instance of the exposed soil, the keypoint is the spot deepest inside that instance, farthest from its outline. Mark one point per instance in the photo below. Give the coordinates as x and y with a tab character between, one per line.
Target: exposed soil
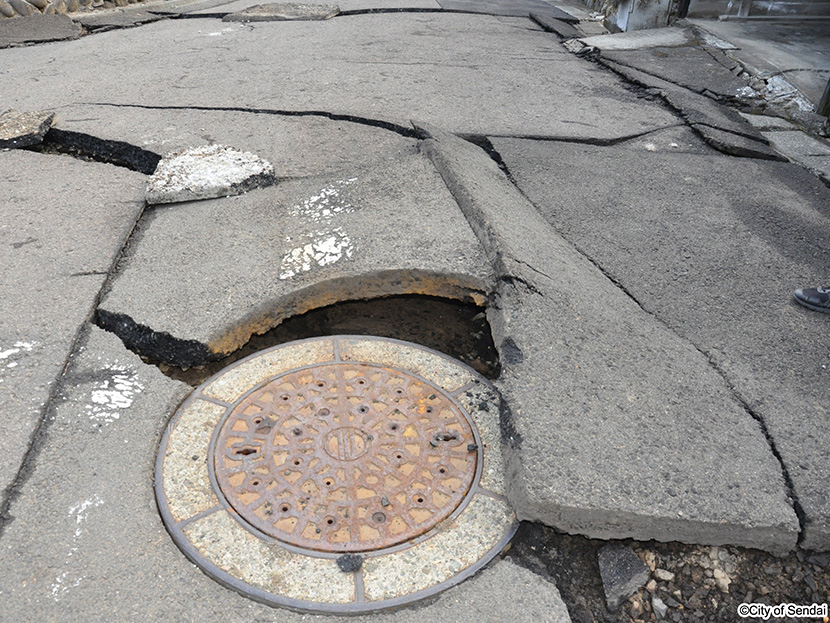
700	583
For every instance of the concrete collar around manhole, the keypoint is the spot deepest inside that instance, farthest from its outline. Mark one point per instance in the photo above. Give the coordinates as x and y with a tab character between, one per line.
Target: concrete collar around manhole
312	475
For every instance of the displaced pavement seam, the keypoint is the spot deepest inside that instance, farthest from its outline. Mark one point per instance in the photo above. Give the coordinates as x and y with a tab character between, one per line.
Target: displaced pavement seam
791	493
599	142
50	406
682	114
720	98
368	121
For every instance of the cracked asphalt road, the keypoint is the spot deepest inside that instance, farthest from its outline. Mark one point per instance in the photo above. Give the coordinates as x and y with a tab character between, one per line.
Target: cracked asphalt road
630	243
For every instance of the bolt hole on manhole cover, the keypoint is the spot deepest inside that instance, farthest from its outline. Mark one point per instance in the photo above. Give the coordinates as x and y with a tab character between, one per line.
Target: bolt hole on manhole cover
342	474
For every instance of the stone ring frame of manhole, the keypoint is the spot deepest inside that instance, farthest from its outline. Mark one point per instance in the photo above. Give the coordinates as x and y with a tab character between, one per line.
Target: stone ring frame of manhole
341	474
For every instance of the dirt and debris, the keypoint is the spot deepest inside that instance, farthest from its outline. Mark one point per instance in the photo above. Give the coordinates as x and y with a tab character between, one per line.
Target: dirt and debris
688	583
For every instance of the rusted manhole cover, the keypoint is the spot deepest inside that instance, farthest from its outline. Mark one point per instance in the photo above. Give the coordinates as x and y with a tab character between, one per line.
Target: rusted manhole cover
345	457
347	446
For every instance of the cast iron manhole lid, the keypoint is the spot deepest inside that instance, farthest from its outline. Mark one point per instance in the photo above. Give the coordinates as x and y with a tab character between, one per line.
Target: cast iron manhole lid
337	474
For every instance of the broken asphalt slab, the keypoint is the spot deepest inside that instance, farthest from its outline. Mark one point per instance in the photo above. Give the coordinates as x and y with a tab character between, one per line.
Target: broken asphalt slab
640	39
617	427
37	29
23	129
691	67
565	30
713	247
730	133
348	6
199	279
126	17
64	223
516	8
283	11
473	74
86	523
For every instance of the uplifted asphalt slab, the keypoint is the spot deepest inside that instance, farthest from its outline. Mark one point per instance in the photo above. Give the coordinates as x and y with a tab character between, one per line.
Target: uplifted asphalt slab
518	8
200	278
689	66
345	5
64	222
720	126
640	39
713	247
616	426
37	29
86	544
472	74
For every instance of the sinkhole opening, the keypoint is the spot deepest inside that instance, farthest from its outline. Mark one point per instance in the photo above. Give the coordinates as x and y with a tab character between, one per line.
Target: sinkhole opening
455	328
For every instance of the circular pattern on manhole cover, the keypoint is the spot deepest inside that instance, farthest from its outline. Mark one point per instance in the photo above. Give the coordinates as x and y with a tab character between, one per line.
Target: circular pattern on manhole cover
345	457
380	455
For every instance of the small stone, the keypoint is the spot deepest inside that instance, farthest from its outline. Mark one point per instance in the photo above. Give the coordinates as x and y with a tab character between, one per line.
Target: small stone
21	129
283	11
773	569
651	586
6	9
636	608
660	608
819	560
471	447
22	7
622	573
663	575
39	4
207	172
650	559
350	562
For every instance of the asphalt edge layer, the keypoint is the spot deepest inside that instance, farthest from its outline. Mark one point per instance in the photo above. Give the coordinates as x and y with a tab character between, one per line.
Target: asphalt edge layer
162	347
153	345
88	147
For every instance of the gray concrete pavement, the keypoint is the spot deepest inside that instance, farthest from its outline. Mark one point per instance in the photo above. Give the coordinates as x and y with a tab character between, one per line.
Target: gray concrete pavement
610	215
716	262
203	277
64	222
601	392
87	543
470	74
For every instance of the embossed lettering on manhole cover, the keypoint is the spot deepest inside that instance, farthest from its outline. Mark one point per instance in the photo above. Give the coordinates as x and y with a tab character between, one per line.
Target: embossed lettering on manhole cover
377	454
